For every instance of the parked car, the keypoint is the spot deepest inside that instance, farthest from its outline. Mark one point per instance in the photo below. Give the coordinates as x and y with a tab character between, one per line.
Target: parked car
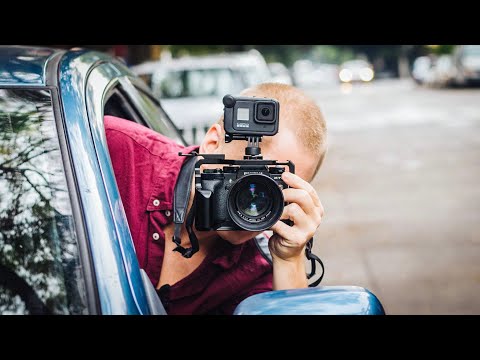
422	69
356	71
313	75
65	244
443	72
192	87
301	70
466	59
280	73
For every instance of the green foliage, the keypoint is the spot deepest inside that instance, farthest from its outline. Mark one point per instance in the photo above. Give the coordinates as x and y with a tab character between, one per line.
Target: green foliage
441	49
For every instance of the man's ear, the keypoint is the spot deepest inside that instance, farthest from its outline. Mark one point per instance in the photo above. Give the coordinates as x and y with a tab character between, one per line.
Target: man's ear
213	140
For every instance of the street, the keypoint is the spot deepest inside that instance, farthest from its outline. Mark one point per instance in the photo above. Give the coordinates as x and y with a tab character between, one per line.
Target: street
400	190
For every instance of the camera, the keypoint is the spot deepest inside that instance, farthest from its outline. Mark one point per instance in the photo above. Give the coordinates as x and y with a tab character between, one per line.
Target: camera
243	194
250	116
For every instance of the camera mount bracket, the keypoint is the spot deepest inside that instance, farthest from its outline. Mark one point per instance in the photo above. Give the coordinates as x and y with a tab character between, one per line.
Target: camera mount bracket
220	159
252	151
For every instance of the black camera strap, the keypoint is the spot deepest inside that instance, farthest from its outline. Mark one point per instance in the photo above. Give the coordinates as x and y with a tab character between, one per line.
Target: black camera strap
312	257
180	203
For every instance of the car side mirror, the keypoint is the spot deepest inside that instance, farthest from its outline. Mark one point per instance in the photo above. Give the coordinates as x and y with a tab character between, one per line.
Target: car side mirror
322	300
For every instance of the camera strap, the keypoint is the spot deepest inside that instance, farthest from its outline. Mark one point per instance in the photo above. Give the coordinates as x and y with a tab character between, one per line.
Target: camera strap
312	257
180	203
262	244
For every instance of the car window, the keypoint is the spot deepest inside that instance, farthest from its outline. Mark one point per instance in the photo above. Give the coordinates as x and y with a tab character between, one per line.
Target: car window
40	270
149	111
157	118
254	74
198	83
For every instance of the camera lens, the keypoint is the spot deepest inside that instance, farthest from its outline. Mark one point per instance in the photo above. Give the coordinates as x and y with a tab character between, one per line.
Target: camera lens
255	202
265	113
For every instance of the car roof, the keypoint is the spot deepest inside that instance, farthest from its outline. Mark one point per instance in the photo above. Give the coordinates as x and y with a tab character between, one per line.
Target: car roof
27	66
22	65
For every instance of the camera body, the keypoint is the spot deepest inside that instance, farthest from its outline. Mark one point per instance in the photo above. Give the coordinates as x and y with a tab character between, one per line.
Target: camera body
243	194
240	198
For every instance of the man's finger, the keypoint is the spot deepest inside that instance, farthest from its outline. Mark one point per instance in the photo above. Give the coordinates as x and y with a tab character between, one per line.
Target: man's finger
284	230
301	197
295	213
297	182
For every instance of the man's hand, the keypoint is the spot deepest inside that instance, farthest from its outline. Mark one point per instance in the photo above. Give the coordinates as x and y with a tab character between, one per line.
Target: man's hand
287	245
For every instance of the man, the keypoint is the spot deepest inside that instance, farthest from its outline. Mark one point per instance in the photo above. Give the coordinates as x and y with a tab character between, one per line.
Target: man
228	267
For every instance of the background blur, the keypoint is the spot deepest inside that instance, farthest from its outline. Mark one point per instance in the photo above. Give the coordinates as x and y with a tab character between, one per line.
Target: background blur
400	181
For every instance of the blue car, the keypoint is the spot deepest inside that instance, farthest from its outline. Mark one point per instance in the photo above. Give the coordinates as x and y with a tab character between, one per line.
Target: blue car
65	244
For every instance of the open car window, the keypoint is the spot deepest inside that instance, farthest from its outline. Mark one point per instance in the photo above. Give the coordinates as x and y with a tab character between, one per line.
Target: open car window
128	102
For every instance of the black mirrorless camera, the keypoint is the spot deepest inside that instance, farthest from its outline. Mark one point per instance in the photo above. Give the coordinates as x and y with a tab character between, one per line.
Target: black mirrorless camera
243	194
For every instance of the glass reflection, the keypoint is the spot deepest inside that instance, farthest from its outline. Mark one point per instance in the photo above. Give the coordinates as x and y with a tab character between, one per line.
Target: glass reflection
39	264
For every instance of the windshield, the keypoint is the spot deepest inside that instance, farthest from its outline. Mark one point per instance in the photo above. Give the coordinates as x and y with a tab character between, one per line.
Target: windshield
40	272
197	83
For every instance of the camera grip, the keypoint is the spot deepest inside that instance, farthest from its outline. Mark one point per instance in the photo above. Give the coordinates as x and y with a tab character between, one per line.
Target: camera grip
203	219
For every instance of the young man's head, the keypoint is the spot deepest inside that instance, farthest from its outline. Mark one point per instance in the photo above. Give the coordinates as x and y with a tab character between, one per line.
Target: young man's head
301	137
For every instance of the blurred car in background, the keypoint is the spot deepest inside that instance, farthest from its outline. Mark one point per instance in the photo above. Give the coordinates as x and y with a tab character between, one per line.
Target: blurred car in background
422	68
443	72
356	71
251	64
466	59
308	74
280	73
192	87
145	71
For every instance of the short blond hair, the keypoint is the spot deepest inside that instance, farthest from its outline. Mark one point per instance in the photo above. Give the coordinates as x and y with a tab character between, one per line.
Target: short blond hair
302	113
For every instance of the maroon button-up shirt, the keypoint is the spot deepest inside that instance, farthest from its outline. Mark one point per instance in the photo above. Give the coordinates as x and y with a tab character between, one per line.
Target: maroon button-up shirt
146	166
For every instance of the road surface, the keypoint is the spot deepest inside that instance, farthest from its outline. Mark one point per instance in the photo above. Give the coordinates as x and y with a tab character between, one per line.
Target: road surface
400	186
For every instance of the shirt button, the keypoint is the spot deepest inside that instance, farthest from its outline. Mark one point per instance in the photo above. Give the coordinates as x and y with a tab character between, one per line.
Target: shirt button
156	202
168	213
156	236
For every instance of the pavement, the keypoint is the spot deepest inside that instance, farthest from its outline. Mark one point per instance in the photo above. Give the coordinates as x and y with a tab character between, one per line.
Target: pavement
400	187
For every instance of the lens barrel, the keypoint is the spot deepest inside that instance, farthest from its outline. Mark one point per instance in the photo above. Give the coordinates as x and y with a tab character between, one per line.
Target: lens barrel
255	202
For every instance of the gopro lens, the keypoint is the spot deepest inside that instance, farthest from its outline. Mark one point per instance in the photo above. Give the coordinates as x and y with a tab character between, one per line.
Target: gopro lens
265	113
